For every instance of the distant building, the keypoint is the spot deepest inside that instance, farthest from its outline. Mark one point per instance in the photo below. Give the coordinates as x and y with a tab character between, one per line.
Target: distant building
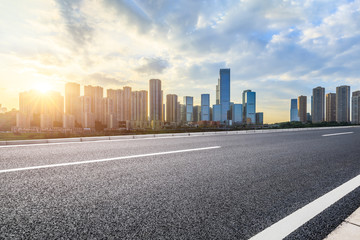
216	113
127	103
155	100
205	107
96	94
87	117
294	114
72	101
302	102
356	107
343	104
249	107
331	107
318	105
259	118
223	94
189	110
196	113
237	114
171	108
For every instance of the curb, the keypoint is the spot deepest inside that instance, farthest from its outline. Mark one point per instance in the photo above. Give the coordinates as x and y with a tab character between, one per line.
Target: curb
109	138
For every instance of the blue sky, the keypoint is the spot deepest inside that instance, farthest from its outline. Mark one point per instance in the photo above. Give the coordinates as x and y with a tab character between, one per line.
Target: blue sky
280	49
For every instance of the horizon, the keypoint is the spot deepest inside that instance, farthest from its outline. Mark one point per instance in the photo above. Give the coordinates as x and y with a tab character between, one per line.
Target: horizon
113	44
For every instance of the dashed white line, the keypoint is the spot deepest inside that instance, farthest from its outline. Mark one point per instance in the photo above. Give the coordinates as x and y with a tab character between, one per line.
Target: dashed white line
105	159
336	134
287	225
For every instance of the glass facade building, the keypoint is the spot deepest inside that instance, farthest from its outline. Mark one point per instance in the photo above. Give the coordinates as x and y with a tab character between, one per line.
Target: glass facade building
205	107
294	115
217	112
237	115
223	93
249	107
189	109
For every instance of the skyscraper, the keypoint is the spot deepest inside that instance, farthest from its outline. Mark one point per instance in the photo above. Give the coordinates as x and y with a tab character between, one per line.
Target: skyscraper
156	104
302	108
318	105
237	114
72	100
96	94
205	107
196	113
343	104
294	115
127	103
142	106
356	107
331	107
259	118
249	107
224	93
171	107
189	109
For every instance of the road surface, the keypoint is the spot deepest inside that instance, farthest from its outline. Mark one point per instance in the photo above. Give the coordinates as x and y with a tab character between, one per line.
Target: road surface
231	186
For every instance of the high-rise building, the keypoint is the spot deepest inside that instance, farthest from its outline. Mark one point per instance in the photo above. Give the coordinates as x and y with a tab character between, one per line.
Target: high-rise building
223	93
237	114
142	106
127	103
356	107
249	107
171	107
294	115
72	104
189	110
197	113
318	105
156	104
216	113
343	104
205	107
244	105
96	94
331	107
259	118
302	108
87	117
109	117
178	112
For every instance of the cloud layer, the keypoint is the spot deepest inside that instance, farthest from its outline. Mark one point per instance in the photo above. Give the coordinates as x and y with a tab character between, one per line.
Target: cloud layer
278	48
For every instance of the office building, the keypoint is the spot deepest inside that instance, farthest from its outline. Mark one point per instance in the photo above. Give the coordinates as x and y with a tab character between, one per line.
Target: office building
216	113
237	114
87	117
294	115
302	108
343	104
96	95
197	113
356	107
72	100
259	118
330	107
156	104
189	110
127	103
318	105
249	107
109	117
171	108
223	93
205	107
142	106
178	114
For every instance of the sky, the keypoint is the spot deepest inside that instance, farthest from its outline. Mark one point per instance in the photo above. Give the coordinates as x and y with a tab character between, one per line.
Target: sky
278	48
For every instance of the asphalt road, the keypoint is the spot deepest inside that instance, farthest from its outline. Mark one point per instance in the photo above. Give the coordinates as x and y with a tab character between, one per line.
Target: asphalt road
232	192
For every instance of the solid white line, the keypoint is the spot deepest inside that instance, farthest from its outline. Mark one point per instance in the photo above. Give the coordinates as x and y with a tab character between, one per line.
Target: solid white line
105	159
287	225
335	134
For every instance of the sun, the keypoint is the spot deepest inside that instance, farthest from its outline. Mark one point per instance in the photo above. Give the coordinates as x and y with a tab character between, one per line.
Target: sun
43	87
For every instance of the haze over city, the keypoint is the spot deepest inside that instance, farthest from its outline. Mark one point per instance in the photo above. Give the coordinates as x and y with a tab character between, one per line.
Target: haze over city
280	49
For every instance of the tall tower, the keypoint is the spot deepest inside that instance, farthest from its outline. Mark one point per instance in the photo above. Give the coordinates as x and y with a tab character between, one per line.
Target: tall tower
171	107
224	93
205	107
318	105
302	108
331	107
343	104
249	100
72	101
156	103
189	108
294	115
96	94
356	107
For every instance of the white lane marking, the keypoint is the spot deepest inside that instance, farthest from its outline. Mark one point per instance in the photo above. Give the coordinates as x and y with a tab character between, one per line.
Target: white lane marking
287	225
335	134
105	159
98	141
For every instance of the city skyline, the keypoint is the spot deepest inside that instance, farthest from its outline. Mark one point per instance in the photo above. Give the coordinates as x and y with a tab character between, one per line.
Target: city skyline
121	43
